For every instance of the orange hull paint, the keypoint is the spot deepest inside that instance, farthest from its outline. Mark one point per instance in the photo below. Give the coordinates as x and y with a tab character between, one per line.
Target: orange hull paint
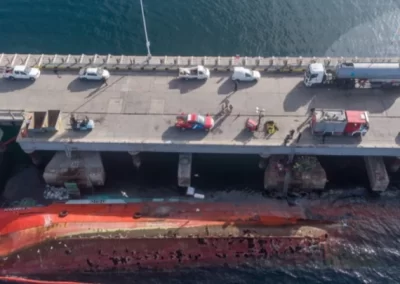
27	227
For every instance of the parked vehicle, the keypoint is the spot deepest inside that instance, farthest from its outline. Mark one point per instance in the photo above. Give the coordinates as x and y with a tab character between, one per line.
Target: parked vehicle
340	122
94	73
194	121
347	75
198	72
245	75
21	72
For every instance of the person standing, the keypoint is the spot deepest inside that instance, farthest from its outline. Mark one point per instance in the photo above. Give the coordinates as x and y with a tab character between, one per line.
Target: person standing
236	85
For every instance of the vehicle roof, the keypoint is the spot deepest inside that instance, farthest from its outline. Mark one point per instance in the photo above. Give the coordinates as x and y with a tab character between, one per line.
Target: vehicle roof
317	67
356	116
92	70
330	116
19	68
240	70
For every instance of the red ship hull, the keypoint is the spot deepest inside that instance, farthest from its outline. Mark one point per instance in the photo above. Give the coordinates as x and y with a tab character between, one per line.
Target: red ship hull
129	237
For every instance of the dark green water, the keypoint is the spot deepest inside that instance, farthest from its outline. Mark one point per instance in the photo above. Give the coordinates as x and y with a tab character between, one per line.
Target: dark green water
202	27
220	27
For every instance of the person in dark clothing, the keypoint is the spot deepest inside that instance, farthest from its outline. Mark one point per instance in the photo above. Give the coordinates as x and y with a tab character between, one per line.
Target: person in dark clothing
236	85
323	137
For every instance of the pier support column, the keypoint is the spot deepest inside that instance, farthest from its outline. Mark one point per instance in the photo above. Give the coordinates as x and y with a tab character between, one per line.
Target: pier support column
137	162
302	173
394	166
35	157
184	170
85	169
377	174
262	164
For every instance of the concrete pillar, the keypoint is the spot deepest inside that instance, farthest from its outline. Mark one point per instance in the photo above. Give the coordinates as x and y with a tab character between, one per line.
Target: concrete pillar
303	172
85	169
377	174
394	166
35	157
137	162
262	164
184	170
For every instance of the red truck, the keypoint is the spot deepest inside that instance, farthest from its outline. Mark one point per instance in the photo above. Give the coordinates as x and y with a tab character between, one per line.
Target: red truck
339	122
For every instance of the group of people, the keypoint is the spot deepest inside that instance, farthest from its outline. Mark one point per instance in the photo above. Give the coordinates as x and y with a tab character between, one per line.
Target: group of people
226	108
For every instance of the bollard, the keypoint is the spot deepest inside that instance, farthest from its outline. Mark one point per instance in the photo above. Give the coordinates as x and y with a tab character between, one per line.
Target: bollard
300	61
313	60
272	61
204	61
285	61
327	61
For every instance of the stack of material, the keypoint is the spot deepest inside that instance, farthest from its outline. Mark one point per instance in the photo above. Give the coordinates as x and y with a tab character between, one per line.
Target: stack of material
305	163
55	193
191	191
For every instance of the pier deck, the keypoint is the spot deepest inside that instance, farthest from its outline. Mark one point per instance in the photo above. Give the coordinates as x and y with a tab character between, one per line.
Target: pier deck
136	111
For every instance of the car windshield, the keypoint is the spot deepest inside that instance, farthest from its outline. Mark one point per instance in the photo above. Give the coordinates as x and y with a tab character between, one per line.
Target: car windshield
200	119
27	70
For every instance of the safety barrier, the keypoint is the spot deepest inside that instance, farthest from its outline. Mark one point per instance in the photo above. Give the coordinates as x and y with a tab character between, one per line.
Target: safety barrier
164	63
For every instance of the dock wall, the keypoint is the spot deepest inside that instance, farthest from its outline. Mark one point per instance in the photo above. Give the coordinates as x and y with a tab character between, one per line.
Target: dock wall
206	148
133	62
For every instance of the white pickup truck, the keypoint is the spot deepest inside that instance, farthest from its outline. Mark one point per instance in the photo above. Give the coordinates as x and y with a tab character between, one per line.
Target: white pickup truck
21	72
198	72
245	75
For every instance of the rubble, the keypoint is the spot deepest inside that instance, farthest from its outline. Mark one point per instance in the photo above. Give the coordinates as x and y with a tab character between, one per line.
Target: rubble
55	193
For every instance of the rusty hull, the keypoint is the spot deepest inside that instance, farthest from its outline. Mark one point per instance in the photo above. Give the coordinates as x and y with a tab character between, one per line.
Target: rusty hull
165	235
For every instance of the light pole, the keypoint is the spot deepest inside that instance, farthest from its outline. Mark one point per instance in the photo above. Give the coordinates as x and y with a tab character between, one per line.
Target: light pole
145	31
260	113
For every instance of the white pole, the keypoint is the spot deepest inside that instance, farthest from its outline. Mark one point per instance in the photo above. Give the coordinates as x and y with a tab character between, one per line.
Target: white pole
145	31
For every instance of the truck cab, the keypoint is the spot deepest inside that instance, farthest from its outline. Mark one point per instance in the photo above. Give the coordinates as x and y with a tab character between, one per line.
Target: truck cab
315	74
245	75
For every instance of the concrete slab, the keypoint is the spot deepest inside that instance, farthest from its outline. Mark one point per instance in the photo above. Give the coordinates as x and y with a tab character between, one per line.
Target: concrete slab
135	111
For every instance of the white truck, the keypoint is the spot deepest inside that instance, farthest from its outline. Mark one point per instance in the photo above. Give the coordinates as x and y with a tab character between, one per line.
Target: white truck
94	74
351	75
21	72
198	72
245	75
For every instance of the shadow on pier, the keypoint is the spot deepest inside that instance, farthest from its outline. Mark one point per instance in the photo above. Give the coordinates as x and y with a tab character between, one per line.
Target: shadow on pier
185	86
372	100
78	85
11	86
227	86
174	134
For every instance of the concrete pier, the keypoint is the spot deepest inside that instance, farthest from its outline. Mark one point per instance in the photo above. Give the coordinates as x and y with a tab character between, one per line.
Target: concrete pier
377	174
136	111
216	63
85	169
184	170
